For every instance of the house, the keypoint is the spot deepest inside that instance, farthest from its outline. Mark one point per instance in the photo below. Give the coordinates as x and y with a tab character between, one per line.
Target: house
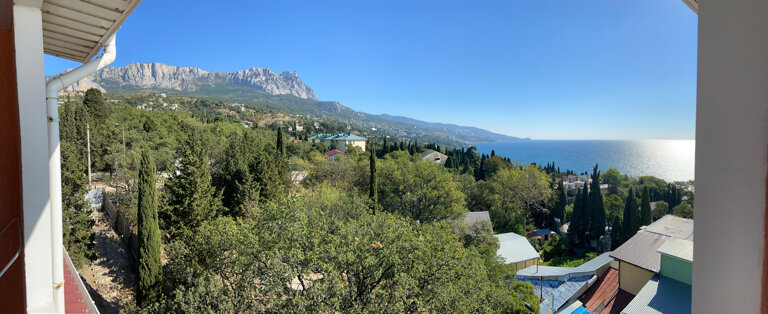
515	249
434	156
639	259
670	290
342	140
333	153
36	273
539	234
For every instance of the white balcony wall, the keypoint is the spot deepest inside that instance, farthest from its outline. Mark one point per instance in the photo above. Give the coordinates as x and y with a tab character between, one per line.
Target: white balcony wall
731	144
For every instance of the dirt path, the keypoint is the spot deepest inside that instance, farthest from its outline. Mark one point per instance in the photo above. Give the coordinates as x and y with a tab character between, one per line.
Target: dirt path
110	278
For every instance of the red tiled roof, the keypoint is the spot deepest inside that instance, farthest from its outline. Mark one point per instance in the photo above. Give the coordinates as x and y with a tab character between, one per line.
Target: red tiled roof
73	300
602	292
333	152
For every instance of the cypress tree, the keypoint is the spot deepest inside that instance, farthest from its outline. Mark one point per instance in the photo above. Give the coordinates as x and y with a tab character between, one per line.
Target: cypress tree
576	230
616	234
645	208
596	210
560	203
94	105
385	147
373	193
631	222
148	288
280	145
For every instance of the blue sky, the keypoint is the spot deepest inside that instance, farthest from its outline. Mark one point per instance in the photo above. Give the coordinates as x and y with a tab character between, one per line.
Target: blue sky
540	69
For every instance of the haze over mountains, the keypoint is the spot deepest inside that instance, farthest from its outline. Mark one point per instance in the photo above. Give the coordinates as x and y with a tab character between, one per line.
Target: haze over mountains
281	92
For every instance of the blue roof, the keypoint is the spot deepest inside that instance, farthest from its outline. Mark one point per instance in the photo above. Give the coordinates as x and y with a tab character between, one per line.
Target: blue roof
559	292
580	310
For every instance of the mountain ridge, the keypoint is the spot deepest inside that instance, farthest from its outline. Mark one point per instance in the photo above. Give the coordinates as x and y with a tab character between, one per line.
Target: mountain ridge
261	87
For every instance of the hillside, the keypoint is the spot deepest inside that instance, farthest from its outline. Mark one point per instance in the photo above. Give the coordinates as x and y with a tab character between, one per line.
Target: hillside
285	92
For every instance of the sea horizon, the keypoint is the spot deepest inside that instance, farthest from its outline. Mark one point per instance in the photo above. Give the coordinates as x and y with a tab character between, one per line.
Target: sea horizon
668	159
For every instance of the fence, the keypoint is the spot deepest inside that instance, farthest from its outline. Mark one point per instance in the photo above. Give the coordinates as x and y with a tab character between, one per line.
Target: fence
121	226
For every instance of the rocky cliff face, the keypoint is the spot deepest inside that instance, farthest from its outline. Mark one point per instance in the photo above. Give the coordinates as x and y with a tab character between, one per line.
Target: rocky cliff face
163	76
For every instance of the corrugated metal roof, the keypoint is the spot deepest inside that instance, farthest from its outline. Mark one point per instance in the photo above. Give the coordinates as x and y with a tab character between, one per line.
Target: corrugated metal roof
76	29
682	249
563	273
642	250
661	295
515	248
673	226
473	217
559	293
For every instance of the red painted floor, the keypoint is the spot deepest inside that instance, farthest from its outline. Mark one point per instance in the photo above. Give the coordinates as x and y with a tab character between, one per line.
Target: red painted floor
73	300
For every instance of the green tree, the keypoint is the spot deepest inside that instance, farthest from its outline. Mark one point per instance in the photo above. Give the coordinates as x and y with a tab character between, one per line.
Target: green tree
325	252
372	186
78	236
645	208
148	288
561	201
661	209
577	230
280	142
612	177
596	211
94	106
421	190
631	219
516	195
190	197
684	210
616	237
614	206
234	174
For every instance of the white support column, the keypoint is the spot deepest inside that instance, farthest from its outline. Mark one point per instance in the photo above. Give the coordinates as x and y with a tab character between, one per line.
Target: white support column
34	154
731	145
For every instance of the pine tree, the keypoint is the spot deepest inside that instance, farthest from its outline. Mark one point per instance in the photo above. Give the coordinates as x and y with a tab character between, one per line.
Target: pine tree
78	236
631	222
148	288
372	187
596	209
191	197
280	144
560	202
645	208
235	177
616	234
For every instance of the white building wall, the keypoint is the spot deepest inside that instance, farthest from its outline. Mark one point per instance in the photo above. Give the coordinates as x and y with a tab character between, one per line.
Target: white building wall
731	143
34	155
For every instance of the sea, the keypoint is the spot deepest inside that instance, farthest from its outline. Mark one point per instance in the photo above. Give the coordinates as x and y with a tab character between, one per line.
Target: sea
671	160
